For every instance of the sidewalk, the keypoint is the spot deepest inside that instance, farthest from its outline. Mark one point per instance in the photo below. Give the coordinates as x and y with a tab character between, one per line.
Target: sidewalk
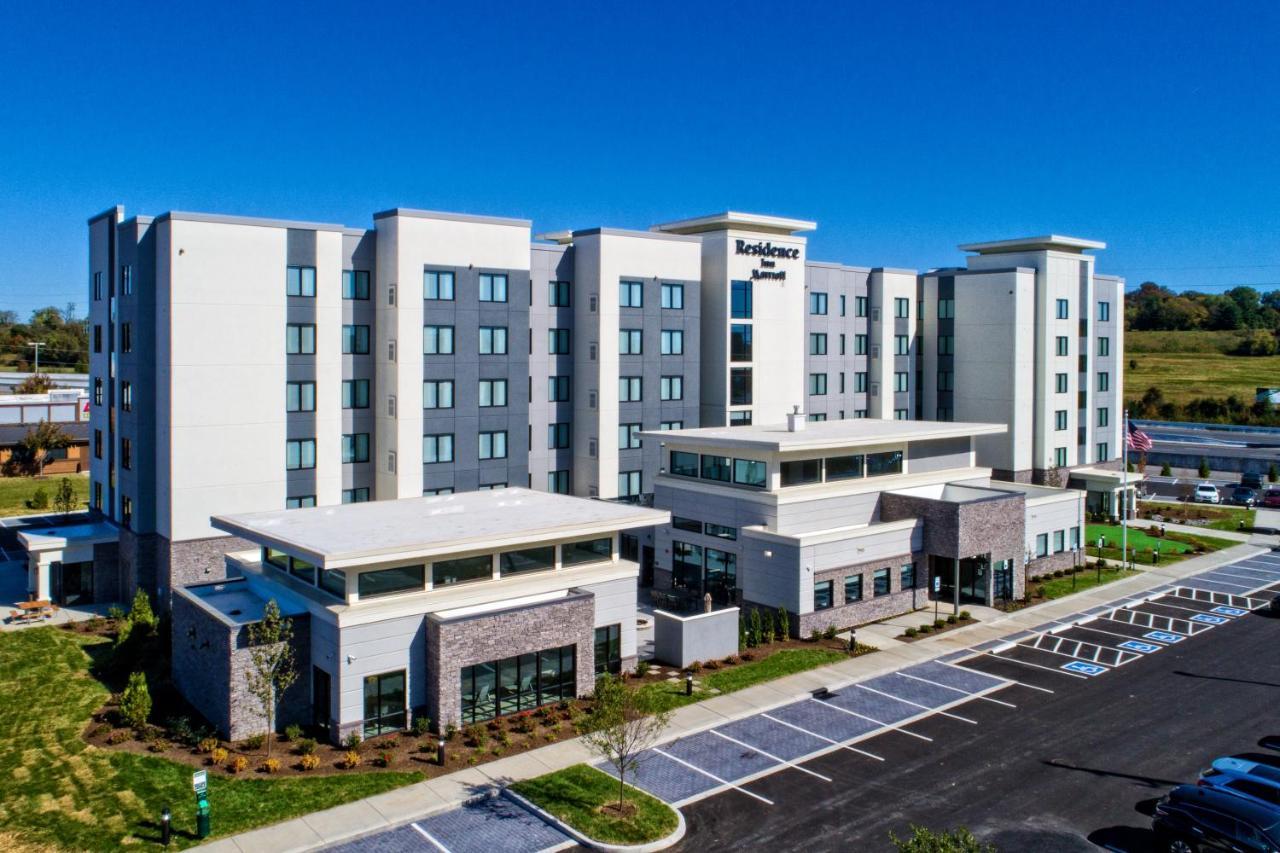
389	809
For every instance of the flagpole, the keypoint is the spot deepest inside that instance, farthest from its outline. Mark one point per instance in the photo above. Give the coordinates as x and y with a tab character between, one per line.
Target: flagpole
1124	497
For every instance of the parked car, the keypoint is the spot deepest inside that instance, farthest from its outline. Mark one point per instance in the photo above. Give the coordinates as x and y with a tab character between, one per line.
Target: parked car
1252	780
1243	496
1253	481
1271	497
1206	493
1191	818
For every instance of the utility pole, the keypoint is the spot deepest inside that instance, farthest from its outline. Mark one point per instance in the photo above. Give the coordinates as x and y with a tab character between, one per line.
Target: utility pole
37	345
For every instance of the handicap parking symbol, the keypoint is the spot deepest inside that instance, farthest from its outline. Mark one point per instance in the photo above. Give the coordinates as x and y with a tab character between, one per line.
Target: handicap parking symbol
1211	620
1229	611
1084	668
1163	637
1135	646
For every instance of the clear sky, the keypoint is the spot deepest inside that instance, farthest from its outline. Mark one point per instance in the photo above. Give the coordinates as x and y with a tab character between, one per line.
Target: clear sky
902	128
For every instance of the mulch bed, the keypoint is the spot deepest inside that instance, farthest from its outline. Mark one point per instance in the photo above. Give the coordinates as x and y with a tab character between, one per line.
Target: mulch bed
933	632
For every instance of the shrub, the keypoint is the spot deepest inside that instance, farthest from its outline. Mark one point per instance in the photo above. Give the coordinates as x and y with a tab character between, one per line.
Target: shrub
135	701
180	728
159	744
426	747
642	668
254	743
937	624
140	613
384	758
784	623
1102	564
117	737
731	660
207	745
100	730
451	730
477	736
1273	473
292	732
1165	470
504	738
1203	468
965	615
39	499
910	632
239	764
421	725
309	762
754	629
351	759
926	628
713	664
1039	591
352	741
696	666
305	745
115	613
766	633
830	632
1057	573
748	656
951	620
815	635
271	765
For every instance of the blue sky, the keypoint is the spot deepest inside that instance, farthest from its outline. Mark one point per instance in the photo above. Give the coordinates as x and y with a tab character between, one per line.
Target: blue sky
902	128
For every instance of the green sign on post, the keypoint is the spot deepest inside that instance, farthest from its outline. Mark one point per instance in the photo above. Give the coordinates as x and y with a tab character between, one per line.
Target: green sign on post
200	783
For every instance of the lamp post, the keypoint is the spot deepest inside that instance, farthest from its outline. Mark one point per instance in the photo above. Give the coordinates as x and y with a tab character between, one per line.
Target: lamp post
166	828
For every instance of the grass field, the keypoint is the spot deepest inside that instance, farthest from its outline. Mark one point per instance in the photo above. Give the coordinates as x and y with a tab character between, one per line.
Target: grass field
1058	587
577	796
1186	365
56	792
1219	517
16	491
1173	547
665	695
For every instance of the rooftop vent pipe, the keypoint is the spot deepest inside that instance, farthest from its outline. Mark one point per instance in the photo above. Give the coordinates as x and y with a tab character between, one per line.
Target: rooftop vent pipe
795	420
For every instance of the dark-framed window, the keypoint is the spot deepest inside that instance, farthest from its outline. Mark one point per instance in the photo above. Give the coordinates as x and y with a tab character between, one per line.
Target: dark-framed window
823	595
717	468
300	396
437	285
686	566
390	581
355	393
300	281
801	471
462	570
586	551
684	464
852	589
689	525
740	348
558	294
355	340
609	649
880	582
749	472
384	703
355	284
844	467
908	576
358	495
672	295
527	560
740	386
493	287
741	300
520	683
355	447
887	462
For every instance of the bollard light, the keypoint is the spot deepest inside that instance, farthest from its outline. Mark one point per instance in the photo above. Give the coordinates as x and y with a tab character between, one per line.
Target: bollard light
166	819
688	684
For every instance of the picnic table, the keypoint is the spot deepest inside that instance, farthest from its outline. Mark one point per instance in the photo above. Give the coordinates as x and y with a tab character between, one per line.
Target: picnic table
31	611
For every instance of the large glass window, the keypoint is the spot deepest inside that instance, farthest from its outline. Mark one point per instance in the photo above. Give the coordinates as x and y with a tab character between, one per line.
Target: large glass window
437	285
740	386
355	447
749	472
686	566
671	342
888	462
720	531
461	570
721	574
517	684
493	445
800	472
559	435
630	294
355	393
671	388
300	397
355	340
437	340
558	341
300	453
389	581
302	570
493	340
355	284
907	575
717	468
384	703
558	388
740	300
586	551
817	384
493	393
437	448
630	389
609	649
527	560
300	339
334	582
818	303
630	342
559	294
300	281
437	394
823	595
629	436
493	287
684	464
672	295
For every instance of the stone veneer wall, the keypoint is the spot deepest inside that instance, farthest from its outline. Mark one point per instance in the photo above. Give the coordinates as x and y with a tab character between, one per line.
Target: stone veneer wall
844	614
1052	562
1023	475
468	640
294	706
106	573
139	558
197	561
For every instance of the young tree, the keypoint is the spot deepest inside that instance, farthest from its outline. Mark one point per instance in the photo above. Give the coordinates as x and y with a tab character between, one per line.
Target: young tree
784	623
272	667
1166	470
135	701
65	500
39	440
924	840
622	725
36	383
1204	468
1273	473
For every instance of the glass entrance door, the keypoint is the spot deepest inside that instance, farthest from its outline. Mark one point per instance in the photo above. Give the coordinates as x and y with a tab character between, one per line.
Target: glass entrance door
76	585
973	579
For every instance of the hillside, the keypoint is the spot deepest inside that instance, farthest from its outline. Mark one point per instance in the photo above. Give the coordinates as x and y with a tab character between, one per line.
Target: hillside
1196	366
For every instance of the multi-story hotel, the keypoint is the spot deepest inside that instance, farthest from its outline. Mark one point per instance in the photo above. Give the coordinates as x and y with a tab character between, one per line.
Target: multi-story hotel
252	365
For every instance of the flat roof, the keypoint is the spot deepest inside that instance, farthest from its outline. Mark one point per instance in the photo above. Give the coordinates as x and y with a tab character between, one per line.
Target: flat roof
427	527
452	217
820	435
734	220
1055	242
55	538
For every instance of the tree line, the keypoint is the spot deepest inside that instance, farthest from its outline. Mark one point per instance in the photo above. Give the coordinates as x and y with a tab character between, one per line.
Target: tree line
65	339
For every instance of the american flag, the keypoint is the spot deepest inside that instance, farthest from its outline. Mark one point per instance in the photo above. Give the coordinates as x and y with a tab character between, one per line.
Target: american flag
1138	440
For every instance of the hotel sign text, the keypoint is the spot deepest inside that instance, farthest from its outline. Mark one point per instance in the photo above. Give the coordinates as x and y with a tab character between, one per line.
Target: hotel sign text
767	252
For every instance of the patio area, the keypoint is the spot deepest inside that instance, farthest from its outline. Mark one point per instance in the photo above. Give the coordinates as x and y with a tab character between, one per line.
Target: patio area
13	594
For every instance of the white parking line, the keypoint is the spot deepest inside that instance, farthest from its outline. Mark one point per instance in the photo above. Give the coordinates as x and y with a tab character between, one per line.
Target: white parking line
1119	660
823	737
957	689
1152	617
431	839
889	726
1114	634
695	768
1007	678
917	705
1191	625
752	746
1036	665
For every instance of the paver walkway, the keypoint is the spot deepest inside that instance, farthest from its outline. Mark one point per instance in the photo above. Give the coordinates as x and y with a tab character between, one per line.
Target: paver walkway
418	801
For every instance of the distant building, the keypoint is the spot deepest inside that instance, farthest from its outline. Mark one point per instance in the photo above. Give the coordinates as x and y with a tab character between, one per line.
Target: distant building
67	407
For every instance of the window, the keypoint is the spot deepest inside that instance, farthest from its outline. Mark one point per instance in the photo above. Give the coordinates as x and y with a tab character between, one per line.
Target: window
844	467
358	495
900	381
946	345
740	342
437	394
126	510
461	570
300	339
1060	419
493	393
97	339
901	345
817	303
852	589
671	388
739	386
355	340
586	551
1059	456
817	384
740	300
493	445
1042	544
860	382
97	444
355	284
437	448
842	352
391	350
437	285
609	649
672	342
860	306
880	583
670	425
517	684
1104	347
300	453
1059	541
1060	380
126	337
630	342
1104	381
802	471
630	294
629	436
558	389
493	340
1064	309
1075	538
886	462
437	340
817	343
684	464
493	287
126	454
749	472
301	502
300	281
946	309
630	389
355	447
300	396
816	418
390	581
628	484
1104	417
558	294
1104	312
126	280
391	461
901	308
907	576
822	595
391	294
900	415
97	286
558	481
558	341
717	468
739	419
672	296
1063	345
859	344
842	304
527	560
1104	452
355	393
559	435
946	380
720	531
126	396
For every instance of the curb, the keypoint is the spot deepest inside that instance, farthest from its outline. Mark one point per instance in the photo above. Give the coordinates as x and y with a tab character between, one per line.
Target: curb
591	843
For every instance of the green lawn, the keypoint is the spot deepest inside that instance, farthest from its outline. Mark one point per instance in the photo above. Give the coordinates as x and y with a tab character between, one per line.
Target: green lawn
1173	546
576	795
1219	517
665	695
1058	587
1186	365
16	491
58	792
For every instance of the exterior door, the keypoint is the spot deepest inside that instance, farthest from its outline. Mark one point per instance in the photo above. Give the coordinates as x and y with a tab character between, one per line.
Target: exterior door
321	696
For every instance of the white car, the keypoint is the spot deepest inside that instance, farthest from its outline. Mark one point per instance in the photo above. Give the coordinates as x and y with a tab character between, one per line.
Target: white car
1207	493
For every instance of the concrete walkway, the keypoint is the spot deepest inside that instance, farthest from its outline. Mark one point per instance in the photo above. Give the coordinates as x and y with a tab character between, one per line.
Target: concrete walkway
389	809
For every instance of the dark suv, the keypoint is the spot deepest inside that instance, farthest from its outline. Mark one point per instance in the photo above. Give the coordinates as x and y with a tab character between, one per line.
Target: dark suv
1252	481
1191	818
